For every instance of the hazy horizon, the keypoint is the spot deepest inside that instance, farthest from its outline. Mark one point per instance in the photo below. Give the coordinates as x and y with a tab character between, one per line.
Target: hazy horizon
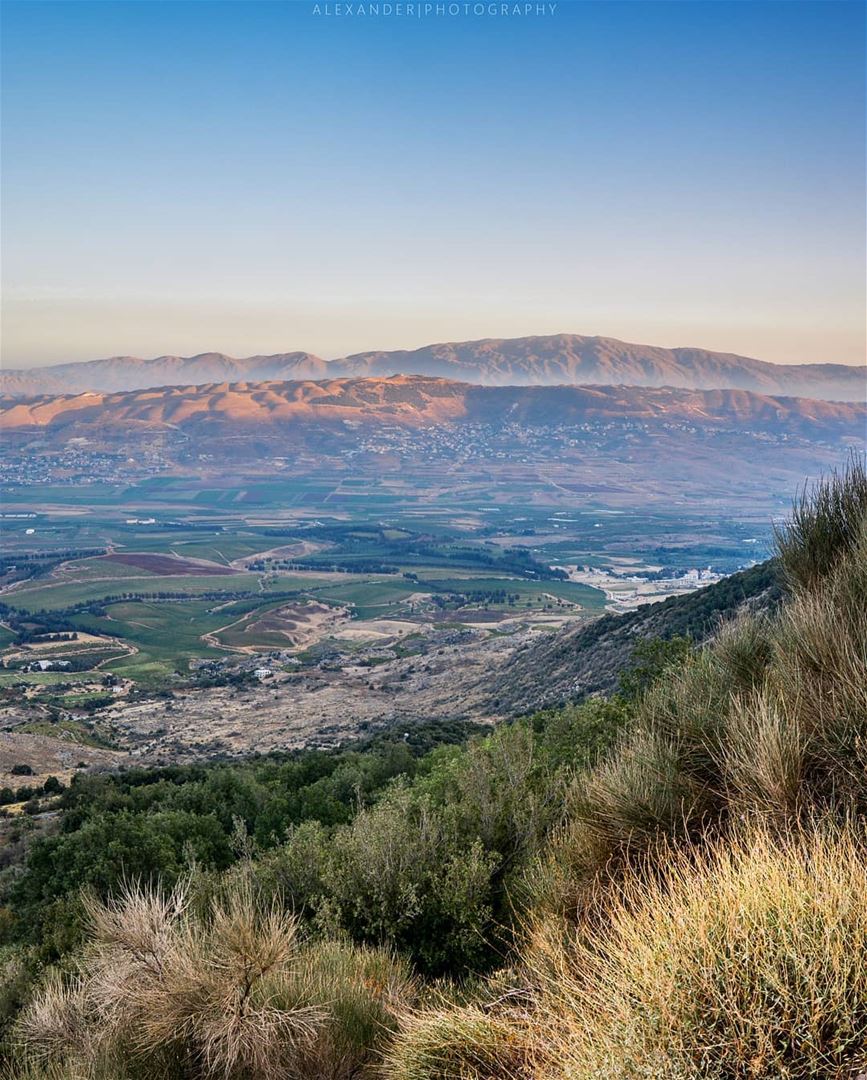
399	348
252	178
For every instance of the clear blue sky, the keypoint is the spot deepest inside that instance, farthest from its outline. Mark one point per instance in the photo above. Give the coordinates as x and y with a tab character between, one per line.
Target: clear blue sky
257	177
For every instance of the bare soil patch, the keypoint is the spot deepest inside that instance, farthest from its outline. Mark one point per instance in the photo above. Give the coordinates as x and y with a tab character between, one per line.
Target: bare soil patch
47	756
291	626
474	615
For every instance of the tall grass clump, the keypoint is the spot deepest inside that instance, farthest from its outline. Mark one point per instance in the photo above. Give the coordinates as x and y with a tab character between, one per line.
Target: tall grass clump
747	961
824	524
234	993
768	719
462	1042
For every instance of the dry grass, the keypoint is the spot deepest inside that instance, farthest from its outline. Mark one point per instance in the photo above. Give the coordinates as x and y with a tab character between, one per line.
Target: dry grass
748	962
769	719
359	991
461	1043
824	524
237	993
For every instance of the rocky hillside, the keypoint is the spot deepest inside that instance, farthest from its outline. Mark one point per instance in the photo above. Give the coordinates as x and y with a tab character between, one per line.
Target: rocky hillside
589	658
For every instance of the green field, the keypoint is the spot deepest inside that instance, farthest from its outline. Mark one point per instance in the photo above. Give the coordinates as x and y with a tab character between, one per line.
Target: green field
534	592
166	635
54	596
372	599
441	534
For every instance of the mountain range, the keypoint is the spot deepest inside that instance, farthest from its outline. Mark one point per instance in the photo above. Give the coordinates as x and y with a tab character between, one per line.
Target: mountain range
561	359
413	401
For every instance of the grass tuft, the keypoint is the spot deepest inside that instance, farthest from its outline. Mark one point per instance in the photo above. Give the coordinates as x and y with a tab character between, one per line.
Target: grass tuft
749	961
824	524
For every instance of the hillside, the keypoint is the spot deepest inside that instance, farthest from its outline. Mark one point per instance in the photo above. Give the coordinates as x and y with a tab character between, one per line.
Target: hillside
574	359
414	401
634	886
120	373
551	360
590	657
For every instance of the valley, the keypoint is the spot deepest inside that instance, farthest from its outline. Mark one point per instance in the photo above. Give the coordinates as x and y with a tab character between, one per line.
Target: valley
361	600
208	571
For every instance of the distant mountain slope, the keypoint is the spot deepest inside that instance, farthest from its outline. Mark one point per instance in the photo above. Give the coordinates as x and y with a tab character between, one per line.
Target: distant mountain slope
576	360
588	659
122	373
553	360
414	401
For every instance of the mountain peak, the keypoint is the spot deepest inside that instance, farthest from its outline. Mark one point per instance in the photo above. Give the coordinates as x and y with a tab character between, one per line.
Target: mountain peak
556	359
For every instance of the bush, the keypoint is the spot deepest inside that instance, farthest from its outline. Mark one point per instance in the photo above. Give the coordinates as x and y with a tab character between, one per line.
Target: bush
236	992
399	874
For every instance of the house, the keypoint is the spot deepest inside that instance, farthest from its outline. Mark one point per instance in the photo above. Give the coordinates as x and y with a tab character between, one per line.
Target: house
47	665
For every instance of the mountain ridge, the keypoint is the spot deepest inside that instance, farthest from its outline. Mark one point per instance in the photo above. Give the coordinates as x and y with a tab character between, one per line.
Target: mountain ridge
416	401
558	359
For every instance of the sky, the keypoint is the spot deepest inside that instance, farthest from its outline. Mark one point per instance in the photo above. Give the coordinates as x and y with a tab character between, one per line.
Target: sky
264	177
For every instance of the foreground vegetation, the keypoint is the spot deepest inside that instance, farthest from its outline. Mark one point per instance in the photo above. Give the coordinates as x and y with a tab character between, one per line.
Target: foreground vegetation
670	883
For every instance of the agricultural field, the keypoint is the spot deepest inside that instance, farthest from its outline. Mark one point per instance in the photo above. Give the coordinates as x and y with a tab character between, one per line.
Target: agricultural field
183	579
172	617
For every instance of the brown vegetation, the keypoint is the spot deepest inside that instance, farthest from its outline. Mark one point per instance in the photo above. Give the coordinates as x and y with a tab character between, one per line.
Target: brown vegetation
169	565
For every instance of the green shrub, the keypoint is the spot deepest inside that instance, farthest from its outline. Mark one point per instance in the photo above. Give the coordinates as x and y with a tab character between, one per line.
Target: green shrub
400	875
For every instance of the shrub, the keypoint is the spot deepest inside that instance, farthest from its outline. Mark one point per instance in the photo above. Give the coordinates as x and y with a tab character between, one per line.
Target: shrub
399	874
236	993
